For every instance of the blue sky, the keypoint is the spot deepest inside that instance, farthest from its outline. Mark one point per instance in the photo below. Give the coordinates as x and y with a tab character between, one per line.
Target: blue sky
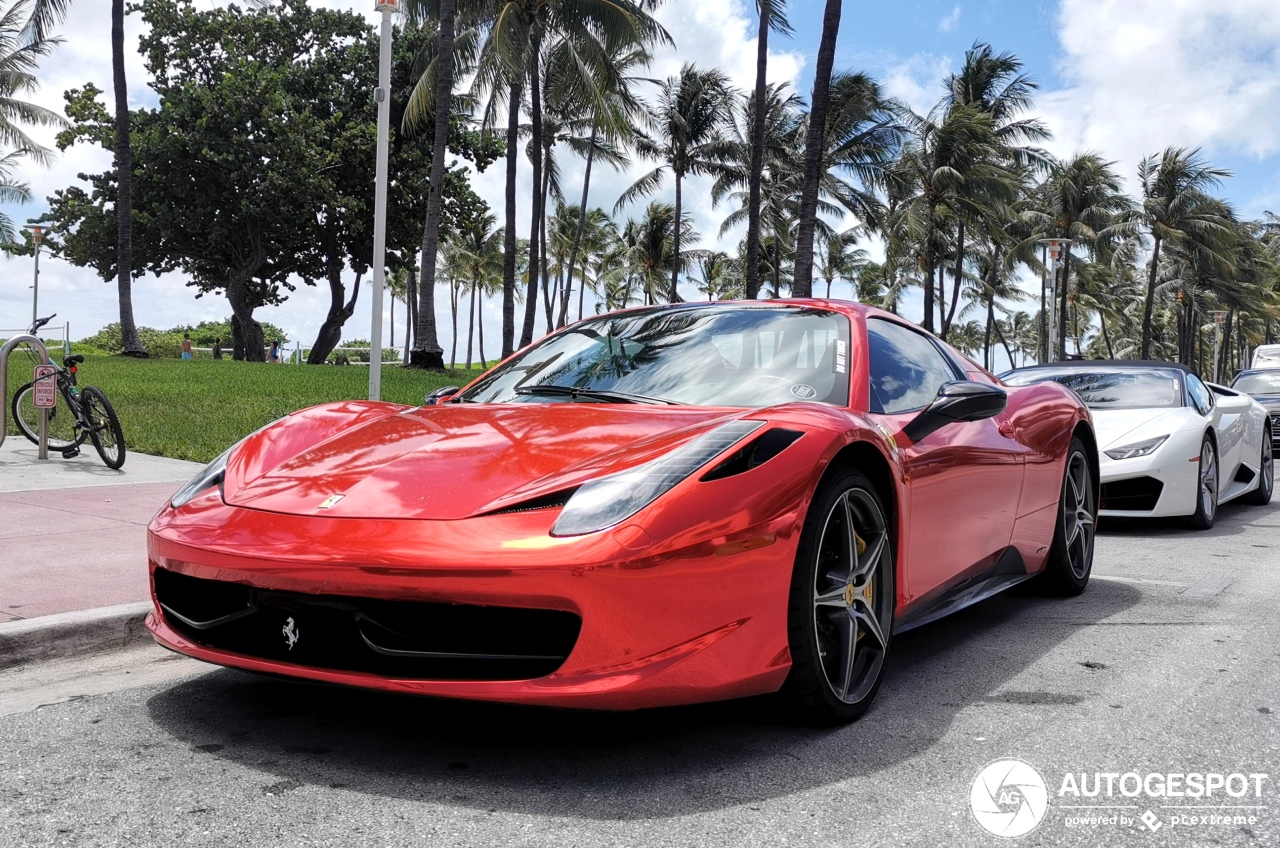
1123	77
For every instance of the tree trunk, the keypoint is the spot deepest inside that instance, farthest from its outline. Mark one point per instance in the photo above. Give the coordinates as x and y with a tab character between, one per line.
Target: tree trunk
986	337
1062	301
1004	343
1042	355
510	244
427	352
1106	338
548	293
578	232
392	342
535	110
411	306
1149	303
471	317
480	328
928	274
674	295
124	185
757	155
331	330
814	148
955	292
453	314
941	283
246	333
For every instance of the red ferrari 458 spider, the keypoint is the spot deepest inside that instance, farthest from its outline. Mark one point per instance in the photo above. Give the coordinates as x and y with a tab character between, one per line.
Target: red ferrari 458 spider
658	506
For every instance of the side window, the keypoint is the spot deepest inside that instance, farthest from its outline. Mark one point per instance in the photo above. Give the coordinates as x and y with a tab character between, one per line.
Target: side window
1201	397
907	369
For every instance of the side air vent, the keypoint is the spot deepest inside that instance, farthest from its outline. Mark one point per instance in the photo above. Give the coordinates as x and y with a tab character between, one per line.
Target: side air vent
555	500
753	454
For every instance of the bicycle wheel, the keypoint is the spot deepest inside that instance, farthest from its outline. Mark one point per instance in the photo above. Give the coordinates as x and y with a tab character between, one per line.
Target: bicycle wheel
104	428
62	424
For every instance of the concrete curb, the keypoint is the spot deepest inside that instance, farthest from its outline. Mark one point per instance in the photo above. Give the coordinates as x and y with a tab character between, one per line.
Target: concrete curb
64	634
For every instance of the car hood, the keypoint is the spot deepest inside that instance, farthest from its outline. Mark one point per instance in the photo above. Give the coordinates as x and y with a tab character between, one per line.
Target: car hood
454	461
1271	403
1116	427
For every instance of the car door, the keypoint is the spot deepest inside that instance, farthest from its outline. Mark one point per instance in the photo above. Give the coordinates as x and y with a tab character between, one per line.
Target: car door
963	481
1229	415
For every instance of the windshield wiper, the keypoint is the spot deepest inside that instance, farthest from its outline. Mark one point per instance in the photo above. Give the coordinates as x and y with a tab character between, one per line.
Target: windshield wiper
598	394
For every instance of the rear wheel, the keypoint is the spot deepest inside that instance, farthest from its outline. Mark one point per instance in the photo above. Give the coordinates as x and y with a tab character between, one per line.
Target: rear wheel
1261	496
840	616
1071	554
105	430
62	424
1206	488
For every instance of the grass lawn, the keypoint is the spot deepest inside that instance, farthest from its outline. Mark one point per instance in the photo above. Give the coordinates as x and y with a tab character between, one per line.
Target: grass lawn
195	409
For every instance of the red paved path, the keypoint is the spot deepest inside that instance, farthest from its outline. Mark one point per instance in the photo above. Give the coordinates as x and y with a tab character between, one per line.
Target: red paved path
74	549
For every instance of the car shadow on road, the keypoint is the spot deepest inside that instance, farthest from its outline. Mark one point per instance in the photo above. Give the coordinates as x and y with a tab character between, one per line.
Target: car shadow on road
1233	519
626	766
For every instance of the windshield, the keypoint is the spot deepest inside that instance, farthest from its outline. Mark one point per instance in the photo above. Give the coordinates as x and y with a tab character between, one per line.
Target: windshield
1120	388
1264	383
705	356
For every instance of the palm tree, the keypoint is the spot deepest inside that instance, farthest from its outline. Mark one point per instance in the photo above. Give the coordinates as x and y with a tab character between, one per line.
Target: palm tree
772	14
651	247
687	136
814	147
718	276
583	33
1081	199
1175	206
124	188
839	259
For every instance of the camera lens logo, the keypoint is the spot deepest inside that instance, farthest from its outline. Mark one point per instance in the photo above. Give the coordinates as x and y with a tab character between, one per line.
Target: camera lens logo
1009	798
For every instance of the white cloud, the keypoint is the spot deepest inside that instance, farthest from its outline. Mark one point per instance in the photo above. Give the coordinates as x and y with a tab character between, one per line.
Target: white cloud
917	81
1142	75
951	21
709	33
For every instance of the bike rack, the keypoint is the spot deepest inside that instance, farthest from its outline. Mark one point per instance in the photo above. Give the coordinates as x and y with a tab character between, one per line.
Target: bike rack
21	338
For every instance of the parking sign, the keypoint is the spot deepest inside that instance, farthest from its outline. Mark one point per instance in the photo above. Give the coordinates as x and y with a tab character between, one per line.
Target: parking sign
46	387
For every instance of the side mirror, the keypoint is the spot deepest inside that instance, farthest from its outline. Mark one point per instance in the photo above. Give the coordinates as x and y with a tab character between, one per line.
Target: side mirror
440	395
962	400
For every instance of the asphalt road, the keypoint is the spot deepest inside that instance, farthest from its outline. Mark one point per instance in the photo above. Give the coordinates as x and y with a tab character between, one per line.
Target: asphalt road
1166	665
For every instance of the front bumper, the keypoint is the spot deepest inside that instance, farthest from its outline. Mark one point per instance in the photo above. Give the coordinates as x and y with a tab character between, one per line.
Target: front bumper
699	616
1166	483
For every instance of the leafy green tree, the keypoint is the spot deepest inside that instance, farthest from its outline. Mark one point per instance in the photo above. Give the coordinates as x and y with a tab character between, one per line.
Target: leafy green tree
772	15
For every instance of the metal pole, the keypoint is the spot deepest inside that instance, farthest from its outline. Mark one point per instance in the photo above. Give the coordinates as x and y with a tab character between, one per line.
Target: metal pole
35	286
42	450
380	199
1053	309
21	338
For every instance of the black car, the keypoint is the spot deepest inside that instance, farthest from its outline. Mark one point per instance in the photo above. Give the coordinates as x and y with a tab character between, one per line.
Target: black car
1263	385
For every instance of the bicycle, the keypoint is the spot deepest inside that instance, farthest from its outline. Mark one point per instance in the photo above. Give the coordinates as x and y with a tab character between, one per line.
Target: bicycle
87	415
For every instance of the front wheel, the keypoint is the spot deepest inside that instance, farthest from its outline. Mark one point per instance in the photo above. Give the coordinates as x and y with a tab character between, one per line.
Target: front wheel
1261	496
62	424
104	426
1206	488
840	615
1071	553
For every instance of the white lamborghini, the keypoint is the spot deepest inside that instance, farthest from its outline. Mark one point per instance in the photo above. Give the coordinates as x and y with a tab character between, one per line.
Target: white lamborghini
1169	444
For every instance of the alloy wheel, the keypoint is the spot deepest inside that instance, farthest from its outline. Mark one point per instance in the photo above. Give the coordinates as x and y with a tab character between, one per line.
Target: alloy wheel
852	598
1209	479
1078	514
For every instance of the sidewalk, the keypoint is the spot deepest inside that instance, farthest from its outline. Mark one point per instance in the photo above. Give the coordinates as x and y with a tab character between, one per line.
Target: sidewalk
72	530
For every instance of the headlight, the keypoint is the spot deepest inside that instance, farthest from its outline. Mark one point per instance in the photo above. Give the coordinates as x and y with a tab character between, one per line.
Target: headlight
609	500
1137	449
211	475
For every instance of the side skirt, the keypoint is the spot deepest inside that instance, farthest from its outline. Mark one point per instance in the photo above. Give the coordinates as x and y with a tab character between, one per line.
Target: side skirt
1008	570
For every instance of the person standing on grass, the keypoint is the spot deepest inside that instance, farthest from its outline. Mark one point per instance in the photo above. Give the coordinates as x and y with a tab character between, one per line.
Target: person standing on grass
186	345
274	354
217	348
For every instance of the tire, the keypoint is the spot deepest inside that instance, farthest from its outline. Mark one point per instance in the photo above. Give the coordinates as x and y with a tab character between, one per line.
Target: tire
106	434
1206	488
62	424
840	610
1261	496
1071	555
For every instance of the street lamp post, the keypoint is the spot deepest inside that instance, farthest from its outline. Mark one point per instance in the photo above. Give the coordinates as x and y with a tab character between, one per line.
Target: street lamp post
1056	248
37	234
382	94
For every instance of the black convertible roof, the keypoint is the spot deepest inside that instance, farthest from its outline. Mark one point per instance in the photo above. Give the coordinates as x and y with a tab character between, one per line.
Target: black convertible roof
1106	363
